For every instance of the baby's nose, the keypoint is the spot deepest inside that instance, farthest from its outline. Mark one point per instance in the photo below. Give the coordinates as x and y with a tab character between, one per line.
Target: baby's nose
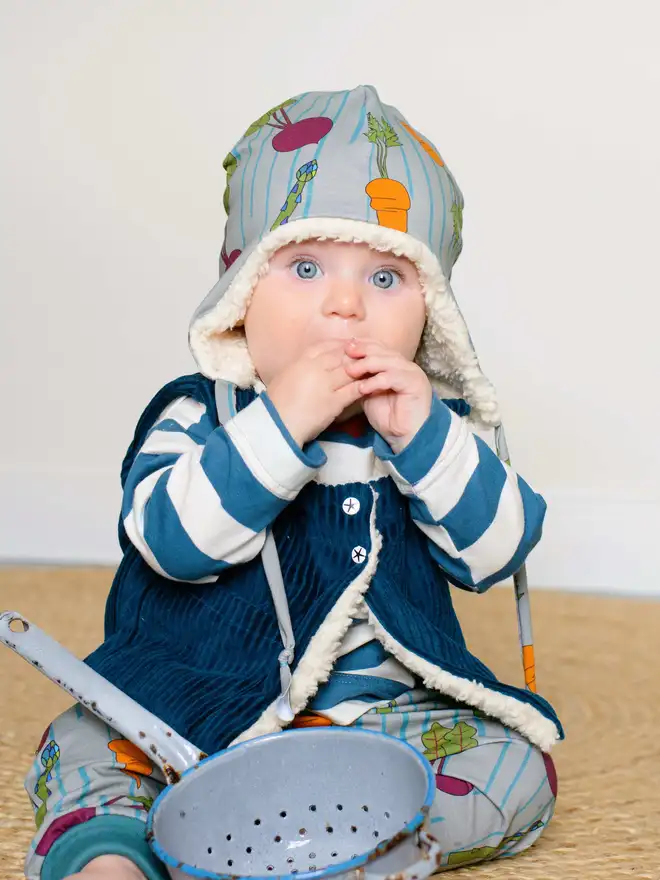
345	298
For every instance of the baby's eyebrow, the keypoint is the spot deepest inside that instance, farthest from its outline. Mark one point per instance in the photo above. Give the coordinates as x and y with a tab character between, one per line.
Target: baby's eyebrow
393	260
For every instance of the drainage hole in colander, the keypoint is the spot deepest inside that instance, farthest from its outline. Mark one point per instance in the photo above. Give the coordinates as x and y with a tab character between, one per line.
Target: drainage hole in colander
182	814
270	867
229	837
230	863
365	808
312	855
312	807
289	861
302	832
329	829
312	867
283	814
209	850
387	815
375	834
277	838
339	807
353	828
248	849
334	855
257	821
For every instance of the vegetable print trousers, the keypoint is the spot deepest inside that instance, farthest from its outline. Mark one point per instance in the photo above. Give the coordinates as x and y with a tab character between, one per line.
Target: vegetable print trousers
91	789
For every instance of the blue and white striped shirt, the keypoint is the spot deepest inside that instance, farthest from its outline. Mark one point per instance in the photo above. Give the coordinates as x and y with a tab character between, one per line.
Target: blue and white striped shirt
198	499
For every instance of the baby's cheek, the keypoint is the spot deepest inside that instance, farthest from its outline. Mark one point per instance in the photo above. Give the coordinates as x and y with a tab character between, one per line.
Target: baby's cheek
408	327
410	343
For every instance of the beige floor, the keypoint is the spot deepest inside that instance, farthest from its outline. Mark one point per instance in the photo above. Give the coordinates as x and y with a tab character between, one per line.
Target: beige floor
599	661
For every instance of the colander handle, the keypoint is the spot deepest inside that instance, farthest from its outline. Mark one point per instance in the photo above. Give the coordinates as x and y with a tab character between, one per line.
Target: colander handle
164	746
428	863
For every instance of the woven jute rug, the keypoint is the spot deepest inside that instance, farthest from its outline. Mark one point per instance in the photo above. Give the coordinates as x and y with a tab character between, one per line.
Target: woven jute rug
598	663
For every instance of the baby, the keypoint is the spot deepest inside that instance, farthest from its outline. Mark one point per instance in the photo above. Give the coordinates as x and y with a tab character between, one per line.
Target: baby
329	416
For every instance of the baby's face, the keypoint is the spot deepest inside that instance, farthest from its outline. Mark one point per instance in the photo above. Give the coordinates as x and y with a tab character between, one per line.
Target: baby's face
319	290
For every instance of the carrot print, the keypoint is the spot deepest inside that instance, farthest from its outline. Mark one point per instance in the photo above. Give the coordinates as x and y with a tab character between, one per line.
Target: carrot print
389	198
310	719
424	144
457	203
137	763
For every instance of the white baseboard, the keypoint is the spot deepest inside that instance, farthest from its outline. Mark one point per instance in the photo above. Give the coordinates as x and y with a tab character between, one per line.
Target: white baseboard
591	542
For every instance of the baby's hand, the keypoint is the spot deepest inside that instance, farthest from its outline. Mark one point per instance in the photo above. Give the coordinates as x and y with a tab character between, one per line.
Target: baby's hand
396	393
311	392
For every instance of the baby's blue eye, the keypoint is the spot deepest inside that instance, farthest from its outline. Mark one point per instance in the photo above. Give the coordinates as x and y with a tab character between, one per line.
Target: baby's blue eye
384	279
306	269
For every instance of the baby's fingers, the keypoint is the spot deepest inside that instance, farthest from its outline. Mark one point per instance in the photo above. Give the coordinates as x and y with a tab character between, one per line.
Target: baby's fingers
358	348
339	377
389	380
347	395
374	364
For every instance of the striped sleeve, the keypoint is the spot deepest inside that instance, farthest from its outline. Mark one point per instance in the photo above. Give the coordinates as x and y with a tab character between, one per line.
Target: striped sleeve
481	519
198	499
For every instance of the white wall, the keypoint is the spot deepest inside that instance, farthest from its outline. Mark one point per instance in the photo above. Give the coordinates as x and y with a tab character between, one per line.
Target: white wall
116	116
